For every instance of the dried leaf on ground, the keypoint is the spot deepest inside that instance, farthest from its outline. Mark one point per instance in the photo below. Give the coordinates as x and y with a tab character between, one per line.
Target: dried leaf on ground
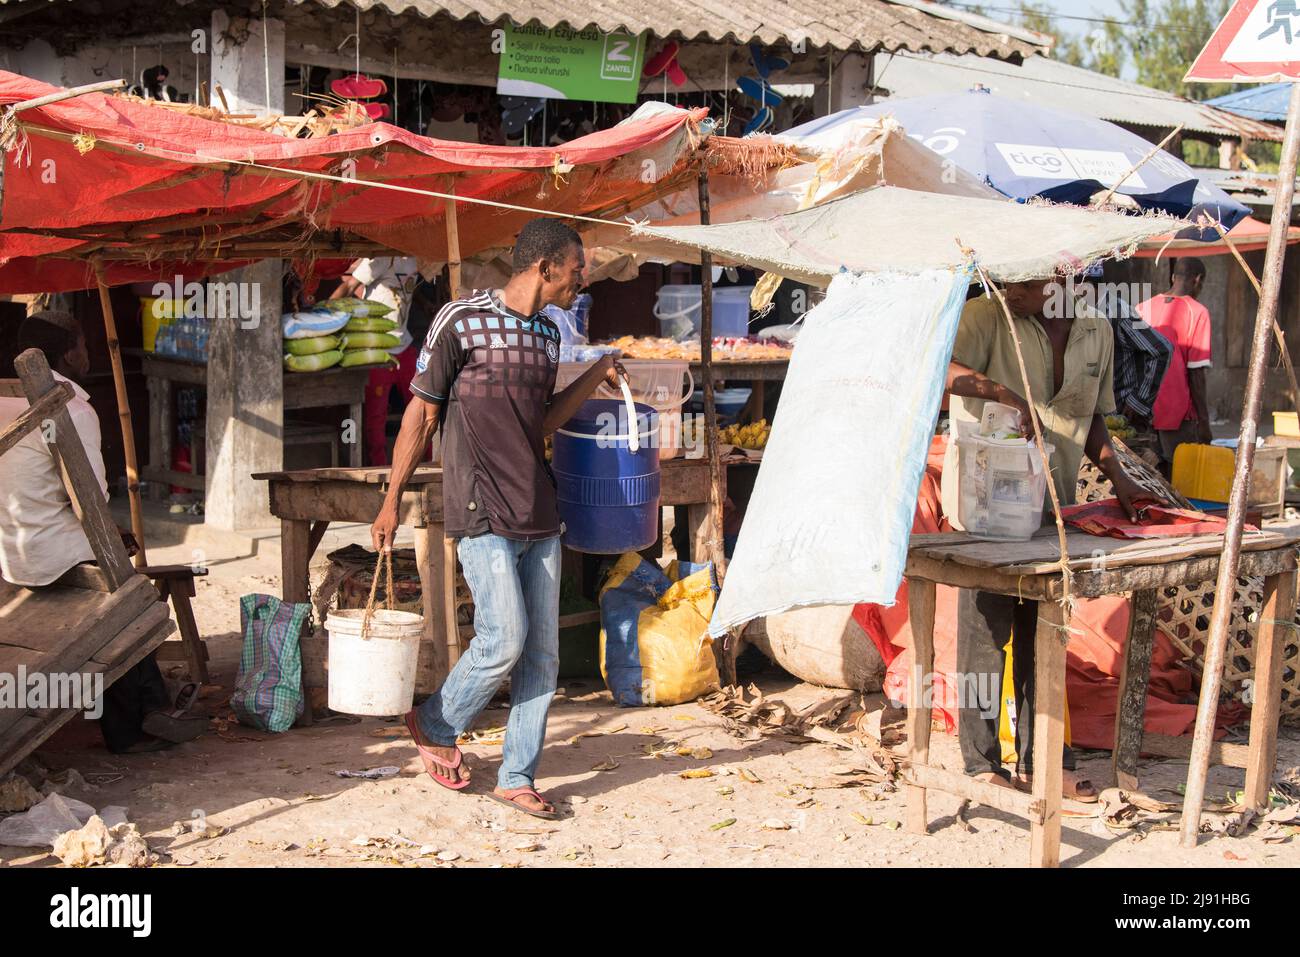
696	773
609	764
721	824
596	733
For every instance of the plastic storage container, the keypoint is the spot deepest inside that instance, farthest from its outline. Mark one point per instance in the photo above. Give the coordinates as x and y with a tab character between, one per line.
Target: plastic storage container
1001	484
731	310
1205	472
373	674
677	307
608	495
654	382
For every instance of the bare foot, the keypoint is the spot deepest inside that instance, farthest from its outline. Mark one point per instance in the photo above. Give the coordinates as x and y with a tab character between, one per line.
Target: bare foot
992	777
447	754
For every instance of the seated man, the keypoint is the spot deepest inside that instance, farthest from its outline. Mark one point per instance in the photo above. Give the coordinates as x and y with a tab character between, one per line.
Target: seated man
41	537
1069	361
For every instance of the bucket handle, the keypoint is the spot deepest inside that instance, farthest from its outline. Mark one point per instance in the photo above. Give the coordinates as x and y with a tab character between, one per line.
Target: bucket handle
383	561
690	389
675	315
633	439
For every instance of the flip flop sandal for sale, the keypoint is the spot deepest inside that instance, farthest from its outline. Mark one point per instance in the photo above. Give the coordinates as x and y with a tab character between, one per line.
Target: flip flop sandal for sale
432	761
511	799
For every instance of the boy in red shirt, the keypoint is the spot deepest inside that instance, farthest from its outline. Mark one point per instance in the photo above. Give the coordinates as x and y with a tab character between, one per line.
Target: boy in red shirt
1181	412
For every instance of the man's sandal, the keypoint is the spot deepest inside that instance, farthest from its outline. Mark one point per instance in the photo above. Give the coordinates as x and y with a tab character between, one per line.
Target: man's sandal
1073	787
432	760
511	798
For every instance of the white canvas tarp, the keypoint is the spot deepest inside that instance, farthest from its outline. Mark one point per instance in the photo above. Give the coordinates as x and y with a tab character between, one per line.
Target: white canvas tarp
890	229
831	513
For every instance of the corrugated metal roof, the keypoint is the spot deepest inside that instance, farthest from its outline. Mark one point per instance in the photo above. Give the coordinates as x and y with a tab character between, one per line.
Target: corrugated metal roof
1049	82
1267	102
839	24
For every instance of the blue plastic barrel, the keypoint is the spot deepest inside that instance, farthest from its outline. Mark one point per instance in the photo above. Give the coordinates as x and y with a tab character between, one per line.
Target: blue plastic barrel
608	495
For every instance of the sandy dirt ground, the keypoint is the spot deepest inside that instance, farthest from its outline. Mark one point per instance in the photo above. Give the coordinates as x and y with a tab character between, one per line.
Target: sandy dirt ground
237	797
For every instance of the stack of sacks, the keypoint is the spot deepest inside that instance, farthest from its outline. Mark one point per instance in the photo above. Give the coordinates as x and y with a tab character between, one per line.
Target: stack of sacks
339	332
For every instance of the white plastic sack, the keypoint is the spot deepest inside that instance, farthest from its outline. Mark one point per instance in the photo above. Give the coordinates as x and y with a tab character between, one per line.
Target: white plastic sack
831	513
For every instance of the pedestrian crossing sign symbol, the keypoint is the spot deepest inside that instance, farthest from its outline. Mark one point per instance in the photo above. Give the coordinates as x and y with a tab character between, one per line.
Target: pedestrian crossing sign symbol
1257	42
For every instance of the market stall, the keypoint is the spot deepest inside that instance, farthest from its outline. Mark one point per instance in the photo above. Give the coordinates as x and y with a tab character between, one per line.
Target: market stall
1040	570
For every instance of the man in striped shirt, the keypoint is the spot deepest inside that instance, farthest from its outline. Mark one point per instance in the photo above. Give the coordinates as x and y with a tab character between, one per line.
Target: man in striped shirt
1141	354
486	376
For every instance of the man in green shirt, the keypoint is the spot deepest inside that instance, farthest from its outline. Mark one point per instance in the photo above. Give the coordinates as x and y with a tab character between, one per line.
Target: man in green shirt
1068	355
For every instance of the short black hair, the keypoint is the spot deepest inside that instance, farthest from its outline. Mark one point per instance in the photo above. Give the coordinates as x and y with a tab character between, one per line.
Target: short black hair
55	334
1188	267
544	238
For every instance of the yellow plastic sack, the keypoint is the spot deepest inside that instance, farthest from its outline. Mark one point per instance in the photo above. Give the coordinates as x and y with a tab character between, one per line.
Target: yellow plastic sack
654	643
1007	721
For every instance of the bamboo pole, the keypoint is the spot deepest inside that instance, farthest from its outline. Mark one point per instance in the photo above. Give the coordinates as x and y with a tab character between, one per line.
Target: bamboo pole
1216	644
68	94
124	419
453	242
717	554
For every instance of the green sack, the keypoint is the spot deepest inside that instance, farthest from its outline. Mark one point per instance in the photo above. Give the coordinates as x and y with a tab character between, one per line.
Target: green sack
356	307
369	324
321	360
367	357
309	347
369	340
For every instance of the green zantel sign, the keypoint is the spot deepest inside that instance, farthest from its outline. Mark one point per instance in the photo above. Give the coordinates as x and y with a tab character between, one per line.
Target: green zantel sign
564	64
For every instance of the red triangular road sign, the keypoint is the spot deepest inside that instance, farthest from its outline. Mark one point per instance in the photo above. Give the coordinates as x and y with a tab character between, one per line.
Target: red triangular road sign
1257	42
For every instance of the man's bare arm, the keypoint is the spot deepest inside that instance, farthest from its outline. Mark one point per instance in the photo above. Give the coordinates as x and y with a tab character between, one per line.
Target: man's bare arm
419	423
969	384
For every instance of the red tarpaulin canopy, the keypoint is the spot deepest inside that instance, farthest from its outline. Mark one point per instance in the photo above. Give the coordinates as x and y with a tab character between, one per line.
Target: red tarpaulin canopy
150	191
1248	235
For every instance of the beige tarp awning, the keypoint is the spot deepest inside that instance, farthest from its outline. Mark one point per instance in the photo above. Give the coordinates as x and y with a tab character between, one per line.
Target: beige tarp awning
890	229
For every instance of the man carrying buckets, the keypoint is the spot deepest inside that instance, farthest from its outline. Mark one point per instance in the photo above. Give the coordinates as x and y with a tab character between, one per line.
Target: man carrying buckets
485	375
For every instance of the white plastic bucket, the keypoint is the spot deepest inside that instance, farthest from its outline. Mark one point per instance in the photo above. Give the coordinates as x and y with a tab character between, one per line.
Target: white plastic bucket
1001	484
375	674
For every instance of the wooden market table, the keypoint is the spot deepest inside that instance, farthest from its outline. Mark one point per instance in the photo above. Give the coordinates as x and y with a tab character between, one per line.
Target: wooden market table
1099	566
305	390
758	372
306	501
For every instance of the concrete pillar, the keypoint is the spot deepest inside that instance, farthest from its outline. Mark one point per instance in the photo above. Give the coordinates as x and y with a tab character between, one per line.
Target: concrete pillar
851	81
240	63
245	413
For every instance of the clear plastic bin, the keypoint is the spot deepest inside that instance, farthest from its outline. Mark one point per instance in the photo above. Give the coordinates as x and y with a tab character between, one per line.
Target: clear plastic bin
1001	484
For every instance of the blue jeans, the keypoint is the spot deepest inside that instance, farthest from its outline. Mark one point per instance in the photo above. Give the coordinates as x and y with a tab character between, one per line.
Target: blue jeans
516	589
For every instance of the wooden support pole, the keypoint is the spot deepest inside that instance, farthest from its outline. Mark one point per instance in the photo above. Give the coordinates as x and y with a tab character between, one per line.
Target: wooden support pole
1216	643
48	98
717	554
1049	732
920	616
1276	622
124	420
453	243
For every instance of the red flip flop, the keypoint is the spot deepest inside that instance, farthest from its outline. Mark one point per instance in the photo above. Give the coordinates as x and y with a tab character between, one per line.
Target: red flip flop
432	760
511	799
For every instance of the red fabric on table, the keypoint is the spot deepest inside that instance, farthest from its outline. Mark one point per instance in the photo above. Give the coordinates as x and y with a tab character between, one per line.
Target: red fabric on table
1107	518
1093	660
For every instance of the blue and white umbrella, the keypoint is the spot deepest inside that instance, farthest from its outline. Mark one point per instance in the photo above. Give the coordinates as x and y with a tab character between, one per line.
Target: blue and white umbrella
1023	151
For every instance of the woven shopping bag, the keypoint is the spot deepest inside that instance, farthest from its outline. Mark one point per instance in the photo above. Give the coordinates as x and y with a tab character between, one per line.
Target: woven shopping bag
268	690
